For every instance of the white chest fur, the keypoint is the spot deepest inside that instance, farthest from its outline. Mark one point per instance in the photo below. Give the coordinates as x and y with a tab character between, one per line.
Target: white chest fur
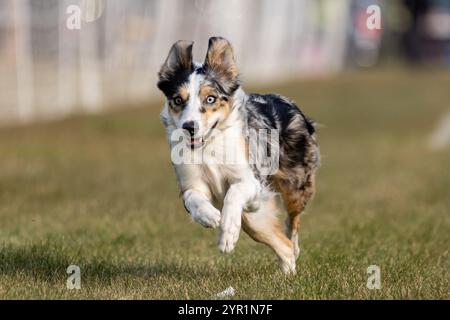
221	163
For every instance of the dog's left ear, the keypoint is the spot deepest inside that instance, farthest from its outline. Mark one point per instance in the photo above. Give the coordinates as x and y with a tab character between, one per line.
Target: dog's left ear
220	60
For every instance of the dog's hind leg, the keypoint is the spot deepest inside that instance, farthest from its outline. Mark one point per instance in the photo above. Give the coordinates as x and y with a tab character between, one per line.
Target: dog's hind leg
295	200
263	226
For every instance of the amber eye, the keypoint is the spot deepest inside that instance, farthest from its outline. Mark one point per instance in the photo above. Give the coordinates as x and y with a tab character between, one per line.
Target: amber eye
210	99
178	101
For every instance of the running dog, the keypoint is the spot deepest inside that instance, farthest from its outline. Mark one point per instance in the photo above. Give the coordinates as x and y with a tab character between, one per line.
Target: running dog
208	105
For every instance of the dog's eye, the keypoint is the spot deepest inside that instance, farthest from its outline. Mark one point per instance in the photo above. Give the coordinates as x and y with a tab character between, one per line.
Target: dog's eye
210	99
178	101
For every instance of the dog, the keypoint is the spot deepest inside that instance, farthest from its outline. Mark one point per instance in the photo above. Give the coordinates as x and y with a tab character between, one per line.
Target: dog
206	103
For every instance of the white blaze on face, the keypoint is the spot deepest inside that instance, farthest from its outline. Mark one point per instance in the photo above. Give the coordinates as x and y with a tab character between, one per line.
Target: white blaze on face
192	110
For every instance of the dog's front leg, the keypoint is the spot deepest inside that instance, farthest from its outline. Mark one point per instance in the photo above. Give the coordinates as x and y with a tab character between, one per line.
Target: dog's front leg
201	209
240	196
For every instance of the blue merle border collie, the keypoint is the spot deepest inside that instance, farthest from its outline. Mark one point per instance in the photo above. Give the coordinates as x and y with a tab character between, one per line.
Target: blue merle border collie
208	97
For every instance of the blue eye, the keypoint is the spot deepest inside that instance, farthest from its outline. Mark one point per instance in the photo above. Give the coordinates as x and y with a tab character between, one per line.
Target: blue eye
178	101
210	99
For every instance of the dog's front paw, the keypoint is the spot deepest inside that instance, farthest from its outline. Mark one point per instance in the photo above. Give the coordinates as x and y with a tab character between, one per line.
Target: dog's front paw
227	242
229	235
207	216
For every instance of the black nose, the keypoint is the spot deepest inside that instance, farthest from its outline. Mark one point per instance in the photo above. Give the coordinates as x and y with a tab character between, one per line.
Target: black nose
191	127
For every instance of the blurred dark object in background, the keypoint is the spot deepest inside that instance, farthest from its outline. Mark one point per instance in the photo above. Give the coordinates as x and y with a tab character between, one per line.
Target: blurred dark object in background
364	43
427	40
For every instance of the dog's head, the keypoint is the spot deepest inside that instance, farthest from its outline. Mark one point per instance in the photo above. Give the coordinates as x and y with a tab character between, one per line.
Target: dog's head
199	96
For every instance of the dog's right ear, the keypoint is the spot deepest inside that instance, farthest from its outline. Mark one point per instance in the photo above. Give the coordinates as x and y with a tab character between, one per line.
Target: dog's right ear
179	58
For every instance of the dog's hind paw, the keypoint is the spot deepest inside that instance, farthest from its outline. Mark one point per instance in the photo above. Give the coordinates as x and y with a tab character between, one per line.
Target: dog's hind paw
288	266
207	216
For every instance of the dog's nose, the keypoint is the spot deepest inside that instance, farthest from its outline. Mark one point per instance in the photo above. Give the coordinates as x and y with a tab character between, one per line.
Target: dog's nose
191	127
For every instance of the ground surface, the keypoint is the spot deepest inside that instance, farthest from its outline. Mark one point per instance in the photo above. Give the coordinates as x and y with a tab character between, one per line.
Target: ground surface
99	192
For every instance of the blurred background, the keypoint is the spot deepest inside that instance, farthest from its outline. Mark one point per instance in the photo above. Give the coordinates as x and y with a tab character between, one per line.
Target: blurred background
51	67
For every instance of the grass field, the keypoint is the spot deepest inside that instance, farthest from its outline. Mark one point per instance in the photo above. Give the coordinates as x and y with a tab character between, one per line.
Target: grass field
99	192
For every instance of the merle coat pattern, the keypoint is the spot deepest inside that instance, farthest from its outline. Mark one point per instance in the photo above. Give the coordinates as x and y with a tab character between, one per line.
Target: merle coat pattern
208	102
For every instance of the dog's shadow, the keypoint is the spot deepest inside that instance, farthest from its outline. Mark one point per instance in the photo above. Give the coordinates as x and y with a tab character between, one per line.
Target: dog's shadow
40	264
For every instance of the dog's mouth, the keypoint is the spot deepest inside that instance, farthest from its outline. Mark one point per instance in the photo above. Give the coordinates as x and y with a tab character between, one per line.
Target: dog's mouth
195	143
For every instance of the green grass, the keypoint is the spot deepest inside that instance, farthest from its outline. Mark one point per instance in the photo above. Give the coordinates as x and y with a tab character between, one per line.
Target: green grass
99	192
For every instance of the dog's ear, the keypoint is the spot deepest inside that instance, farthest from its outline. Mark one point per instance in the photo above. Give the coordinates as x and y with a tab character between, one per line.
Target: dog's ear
220	60
179	58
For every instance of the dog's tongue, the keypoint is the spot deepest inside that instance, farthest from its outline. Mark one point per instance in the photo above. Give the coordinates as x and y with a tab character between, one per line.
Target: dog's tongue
196	141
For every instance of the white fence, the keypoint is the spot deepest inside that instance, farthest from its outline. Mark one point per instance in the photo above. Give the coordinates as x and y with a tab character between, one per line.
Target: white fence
49	70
